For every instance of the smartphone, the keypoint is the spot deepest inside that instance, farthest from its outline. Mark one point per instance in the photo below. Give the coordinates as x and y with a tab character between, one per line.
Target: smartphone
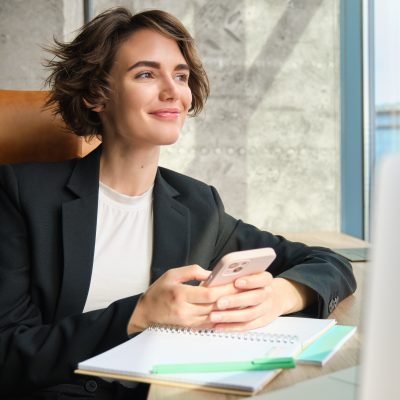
240	263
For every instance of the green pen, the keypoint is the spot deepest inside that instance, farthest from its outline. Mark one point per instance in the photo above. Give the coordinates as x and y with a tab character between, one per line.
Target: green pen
258	364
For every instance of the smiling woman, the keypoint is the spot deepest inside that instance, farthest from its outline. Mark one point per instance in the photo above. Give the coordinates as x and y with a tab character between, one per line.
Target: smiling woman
97	249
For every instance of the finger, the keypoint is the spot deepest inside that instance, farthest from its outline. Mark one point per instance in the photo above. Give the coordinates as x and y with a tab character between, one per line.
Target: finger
245	326
244	299
186	308
202	309
188	273
202	324
243	315
186	315
202	294
254	281
200	321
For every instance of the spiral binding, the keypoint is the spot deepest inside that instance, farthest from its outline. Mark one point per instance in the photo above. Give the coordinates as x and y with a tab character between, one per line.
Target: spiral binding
245	336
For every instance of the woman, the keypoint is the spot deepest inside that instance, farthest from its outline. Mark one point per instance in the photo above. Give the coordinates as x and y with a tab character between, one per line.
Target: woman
94	250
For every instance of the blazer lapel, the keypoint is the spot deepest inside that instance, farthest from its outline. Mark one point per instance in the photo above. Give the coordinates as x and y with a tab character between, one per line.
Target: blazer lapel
171	241
79	218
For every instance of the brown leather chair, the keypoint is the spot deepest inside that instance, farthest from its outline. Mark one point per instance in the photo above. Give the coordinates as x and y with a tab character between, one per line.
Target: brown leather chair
30	133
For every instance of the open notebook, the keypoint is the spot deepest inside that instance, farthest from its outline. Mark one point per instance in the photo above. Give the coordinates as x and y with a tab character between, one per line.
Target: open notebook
134	359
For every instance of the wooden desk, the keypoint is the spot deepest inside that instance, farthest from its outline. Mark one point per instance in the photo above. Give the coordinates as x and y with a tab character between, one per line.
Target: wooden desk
347	313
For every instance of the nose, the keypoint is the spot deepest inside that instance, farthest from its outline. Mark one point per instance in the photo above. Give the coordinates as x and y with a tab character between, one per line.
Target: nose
169	90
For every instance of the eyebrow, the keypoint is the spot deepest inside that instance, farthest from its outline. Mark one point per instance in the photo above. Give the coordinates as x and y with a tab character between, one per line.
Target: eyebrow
157	65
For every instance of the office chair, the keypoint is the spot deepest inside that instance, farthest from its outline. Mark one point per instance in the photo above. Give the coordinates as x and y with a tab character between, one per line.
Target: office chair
30	133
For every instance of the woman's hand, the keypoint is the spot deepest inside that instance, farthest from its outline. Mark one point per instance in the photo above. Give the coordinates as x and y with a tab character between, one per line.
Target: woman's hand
248	303
261	299
169	301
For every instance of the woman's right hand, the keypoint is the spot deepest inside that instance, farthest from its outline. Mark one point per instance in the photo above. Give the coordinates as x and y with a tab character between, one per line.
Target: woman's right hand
169	301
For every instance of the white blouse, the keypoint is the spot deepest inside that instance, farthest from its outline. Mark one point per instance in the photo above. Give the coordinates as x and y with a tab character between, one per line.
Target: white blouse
123	249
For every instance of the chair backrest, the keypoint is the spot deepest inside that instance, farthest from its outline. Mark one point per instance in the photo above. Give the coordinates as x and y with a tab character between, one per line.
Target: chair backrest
28	132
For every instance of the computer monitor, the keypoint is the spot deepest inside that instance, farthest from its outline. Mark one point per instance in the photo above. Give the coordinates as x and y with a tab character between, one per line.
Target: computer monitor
377	377
380	351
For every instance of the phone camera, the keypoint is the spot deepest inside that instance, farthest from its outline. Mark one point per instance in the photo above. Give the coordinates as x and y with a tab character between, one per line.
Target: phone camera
237	268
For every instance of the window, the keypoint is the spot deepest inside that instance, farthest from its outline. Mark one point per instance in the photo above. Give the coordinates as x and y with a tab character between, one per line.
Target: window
386	135
370	102
382	85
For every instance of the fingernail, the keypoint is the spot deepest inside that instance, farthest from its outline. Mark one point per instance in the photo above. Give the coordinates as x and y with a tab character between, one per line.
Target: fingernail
240	282
223	303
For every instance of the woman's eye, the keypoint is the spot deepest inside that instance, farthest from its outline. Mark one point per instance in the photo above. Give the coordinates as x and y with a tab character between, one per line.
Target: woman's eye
144	75
182	77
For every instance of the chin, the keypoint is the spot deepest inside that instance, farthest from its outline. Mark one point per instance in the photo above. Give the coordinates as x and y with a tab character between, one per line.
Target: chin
168	142
168	139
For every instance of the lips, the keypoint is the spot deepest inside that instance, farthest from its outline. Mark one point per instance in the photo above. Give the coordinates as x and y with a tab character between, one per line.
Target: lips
166	113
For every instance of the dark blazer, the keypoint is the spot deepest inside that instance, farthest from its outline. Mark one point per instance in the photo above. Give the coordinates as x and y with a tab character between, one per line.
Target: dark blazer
47	235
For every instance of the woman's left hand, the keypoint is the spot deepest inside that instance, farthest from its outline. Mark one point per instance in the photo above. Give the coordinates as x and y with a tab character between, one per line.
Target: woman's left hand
261	299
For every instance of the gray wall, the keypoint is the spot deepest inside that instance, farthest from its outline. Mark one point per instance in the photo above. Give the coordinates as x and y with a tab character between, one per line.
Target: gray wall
269	137
25	27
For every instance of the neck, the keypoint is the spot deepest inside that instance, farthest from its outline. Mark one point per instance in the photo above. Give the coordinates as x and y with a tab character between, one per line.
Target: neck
128	170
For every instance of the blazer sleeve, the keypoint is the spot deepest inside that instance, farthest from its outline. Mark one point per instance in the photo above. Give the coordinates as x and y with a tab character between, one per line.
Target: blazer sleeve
327	273
33	353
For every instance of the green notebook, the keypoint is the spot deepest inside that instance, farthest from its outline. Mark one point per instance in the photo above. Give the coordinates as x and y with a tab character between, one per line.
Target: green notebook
319	352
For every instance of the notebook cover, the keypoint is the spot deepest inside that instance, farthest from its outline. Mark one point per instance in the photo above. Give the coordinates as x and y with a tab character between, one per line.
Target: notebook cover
319	352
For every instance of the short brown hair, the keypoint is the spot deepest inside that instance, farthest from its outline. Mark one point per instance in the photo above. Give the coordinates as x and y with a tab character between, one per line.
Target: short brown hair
80	69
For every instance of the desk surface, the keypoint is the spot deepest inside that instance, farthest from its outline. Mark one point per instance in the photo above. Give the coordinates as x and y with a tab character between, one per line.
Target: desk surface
347	313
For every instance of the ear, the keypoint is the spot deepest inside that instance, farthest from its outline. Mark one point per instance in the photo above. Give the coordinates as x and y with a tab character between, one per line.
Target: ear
93	107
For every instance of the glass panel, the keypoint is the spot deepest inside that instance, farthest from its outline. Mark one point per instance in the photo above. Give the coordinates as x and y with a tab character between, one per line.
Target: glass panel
387	78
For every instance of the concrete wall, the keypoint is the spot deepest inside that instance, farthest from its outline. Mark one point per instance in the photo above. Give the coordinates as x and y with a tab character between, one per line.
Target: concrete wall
25	27
269	137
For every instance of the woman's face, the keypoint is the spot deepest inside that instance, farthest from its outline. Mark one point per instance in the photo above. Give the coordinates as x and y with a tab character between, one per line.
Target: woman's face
150	94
